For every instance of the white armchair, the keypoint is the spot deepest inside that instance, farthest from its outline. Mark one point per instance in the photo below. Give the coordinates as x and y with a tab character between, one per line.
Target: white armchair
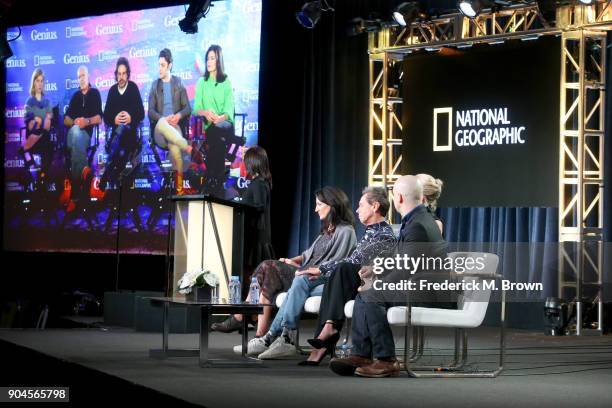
472	307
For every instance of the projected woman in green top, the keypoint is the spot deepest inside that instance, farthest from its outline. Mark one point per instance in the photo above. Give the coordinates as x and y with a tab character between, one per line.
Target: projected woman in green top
214	103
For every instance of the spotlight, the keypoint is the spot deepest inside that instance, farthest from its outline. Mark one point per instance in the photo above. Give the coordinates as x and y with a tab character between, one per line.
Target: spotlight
471	8
358	25
406	13
586	1
311	12
196	10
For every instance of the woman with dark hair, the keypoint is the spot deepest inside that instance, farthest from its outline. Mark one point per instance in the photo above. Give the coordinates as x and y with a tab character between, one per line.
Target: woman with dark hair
258	234
214	102
335	241
39	113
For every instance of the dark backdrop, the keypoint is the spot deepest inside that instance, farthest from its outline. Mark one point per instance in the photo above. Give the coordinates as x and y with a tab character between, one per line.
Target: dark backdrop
520	76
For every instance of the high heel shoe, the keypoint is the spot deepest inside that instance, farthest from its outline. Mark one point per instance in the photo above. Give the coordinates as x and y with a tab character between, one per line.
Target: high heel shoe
319	344
330	349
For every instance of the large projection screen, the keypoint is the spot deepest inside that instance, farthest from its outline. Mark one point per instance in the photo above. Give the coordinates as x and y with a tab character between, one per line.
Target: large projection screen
37	216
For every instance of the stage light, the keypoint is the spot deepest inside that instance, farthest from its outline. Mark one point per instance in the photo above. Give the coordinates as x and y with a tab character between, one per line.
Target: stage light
310	13
196	10
406	13
471	8
358	26
586	1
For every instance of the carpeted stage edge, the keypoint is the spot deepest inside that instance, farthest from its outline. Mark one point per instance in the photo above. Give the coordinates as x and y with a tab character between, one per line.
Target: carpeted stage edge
23	366
110	365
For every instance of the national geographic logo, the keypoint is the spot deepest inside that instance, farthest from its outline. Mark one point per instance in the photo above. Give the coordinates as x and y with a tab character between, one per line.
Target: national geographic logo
474	127
13	137
13	87
144	24
107	55
43	60
72	83
75	32
14	35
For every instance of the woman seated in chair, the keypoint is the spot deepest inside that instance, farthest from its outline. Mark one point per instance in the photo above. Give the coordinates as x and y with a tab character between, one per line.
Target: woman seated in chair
39	113
214	101
432	189
335	241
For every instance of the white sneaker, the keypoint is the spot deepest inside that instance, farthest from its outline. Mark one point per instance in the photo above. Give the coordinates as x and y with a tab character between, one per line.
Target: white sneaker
280	348
255	346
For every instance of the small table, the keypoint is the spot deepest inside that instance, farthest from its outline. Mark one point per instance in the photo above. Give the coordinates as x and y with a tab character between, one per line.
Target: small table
207	309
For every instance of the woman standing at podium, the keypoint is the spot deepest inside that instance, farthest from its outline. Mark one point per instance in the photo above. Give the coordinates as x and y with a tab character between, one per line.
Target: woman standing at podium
258	232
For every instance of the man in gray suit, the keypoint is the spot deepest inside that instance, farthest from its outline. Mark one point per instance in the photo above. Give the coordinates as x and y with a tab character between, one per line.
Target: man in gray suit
169	113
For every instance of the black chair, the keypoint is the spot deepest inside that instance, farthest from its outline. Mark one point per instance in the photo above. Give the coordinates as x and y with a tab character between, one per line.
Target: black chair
233	143
166	170
133	162
85	207
55	146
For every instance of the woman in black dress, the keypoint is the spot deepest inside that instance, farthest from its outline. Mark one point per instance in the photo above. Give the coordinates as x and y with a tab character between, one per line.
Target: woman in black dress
258	232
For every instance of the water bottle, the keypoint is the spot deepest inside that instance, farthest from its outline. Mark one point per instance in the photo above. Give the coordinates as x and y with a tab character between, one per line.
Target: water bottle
234	290
254	290
344	351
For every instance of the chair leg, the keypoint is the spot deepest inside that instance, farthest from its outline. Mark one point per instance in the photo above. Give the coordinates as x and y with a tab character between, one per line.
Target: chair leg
438	373
417	343
300	350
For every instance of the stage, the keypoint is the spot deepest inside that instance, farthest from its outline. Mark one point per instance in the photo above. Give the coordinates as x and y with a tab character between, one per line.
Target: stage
105	362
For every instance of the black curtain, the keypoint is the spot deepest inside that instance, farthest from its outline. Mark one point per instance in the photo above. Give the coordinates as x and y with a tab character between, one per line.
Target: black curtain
313	111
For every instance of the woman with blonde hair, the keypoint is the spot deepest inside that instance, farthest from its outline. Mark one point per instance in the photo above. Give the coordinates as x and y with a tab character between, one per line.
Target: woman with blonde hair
38	115
432	189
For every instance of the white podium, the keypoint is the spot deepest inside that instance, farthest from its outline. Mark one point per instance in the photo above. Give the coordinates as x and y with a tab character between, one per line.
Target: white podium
208	234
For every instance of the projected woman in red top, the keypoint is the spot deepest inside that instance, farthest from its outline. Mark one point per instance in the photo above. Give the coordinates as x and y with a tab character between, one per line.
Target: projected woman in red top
39	113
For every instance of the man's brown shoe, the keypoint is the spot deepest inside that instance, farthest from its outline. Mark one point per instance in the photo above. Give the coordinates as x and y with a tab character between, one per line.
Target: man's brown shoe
379	369
348	365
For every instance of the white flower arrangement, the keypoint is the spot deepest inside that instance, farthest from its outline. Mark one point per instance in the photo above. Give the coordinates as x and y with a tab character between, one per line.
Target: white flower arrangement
196	279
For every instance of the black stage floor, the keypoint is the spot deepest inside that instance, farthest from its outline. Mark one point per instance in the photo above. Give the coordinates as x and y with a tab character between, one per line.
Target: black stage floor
101	364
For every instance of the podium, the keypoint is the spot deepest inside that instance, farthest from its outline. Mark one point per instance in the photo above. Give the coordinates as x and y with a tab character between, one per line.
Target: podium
208	234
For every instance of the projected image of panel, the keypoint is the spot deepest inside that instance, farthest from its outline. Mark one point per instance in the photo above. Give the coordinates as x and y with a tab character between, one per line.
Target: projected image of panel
485	120
69	181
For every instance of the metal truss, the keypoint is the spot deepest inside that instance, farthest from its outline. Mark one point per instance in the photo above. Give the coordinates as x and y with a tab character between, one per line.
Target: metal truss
581	148
581	160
